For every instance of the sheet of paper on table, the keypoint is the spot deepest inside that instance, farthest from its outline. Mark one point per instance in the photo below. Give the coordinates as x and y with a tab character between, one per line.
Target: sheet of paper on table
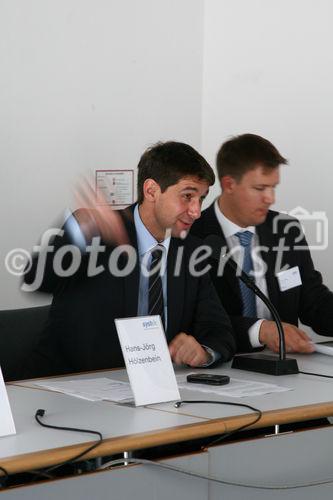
235	389
324	348
103	388
96	389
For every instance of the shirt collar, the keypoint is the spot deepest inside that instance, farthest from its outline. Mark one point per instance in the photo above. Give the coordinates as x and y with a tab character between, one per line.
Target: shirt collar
229	228
146	240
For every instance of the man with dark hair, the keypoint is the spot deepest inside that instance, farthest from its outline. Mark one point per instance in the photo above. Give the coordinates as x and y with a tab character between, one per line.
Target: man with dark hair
265	244
168	162
173	180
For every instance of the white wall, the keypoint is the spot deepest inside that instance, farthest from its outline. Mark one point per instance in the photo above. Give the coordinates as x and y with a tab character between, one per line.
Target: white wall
85	85
89	84
268	69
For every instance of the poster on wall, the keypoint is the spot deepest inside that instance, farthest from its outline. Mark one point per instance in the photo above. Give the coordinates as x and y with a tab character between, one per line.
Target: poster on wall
116	187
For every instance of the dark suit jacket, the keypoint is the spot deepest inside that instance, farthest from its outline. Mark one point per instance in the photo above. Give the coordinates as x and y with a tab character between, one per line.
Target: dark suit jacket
311	303
81	333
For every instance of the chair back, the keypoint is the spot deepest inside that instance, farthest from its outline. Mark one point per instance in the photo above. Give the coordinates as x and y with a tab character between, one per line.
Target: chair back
20	330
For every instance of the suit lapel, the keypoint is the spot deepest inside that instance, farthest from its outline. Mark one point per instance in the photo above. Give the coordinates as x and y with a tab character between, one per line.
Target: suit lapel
175	286
210	222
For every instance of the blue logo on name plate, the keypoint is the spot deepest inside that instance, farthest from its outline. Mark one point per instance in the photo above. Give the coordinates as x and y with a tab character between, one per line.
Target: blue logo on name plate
152	323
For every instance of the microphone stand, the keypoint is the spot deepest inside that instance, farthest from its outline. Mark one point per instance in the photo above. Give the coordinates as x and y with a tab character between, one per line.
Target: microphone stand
261	362
256	362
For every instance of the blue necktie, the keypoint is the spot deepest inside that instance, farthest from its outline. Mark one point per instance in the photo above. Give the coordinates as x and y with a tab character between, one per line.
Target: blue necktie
248	297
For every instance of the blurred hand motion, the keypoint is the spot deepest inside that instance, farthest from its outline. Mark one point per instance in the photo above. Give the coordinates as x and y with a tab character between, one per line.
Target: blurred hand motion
97	218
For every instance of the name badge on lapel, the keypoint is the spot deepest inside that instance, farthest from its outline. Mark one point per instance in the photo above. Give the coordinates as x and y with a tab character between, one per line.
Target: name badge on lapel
289	278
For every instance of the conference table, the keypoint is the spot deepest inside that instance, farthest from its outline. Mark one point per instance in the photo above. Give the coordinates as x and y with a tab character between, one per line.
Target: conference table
126	428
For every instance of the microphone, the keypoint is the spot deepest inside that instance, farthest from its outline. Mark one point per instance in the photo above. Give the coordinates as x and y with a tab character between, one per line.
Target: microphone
257	362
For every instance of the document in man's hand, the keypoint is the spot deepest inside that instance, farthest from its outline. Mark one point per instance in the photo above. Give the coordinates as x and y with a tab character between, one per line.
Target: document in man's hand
324	348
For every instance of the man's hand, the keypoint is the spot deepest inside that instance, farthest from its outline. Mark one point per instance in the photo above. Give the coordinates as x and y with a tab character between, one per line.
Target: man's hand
98	218
185	349
296	339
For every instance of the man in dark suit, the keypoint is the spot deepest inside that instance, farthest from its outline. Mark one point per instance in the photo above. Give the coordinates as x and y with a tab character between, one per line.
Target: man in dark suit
89	292
269	245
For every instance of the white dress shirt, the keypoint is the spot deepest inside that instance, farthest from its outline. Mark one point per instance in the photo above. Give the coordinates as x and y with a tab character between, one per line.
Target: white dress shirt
230	229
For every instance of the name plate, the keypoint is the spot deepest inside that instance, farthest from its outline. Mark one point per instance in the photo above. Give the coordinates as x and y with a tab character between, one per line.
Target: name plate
7	425
147	358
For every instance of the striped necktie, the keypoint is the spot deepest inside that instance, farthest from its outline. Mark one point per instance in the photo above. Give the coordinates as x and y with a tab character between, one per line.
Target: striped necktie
248	296
155	289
